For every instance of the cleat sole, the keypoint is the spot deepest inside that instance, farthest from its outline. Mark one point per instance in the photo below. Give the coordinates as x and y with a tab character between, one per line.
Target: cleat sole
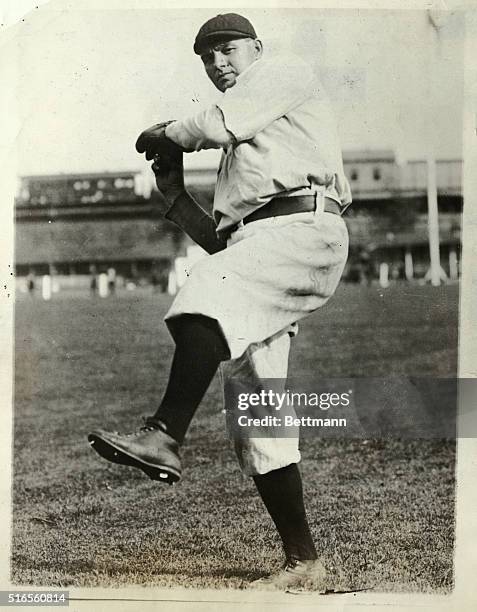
108	451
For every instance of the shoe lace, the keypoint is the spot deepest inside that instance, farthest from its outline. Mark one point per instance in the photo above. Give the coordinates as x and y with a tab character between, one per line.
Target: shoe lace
291	564
148	426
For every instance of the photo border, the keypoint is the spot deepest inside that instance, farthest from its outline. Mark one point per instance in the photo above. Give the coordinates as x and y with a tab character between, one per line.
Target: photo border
464	595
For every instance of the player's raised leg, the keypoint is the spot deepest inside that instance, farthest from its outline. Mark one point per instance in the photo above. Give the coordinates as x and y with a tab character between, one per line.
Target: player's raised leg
154	447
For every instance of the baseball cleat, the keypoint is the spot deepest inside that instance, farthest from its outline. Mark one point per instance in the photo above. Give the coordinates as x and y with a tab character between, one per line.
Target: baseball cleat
148	448
307	575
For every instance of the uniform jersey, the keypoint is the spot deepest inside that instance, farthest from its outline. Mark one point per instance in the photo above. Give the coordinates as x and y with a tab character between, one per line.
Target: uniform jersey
278	135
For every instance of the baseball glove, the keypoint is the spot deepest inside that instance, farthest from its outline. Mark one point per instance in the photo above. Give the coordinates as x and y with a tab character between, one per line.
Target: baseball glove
154	141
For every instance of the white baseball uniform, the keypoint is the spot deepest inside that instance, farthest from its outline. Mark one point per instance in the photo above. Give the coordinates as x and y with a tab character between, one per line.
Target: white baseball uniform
279	139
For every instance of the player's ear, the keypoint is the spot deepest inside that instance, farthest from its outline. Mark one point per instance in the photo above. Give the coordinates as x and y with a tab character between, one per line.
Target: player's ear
258	46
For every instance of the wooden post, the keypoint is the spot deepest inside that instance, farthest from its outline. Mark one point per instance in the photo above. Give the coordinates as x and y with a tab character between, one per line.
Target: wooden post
384	274
453	265
408	265
46	287
433	222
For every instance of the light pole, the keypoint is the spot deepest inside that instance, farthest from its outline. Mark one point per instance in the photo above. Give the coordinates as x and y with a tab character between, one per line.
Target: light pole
436	20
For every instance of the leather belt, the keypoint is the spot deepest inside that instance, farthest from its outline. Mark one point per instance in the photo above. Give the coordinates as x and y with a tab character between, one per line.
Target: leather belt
289	206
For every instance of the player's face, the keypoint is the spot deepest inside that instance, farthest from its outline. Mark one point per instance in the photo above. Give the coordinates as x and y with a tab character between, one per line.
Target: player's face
225	60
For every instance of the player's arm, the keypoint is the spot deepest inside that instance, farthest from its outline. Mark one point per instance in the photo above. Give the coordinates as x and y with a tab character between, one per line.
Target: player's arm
196	223
203	131
206	130
182	209
264	93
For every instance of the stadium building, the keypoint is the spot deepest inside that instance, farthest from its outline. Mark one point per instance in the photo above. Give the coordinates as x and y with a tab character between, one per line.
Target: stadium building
75	225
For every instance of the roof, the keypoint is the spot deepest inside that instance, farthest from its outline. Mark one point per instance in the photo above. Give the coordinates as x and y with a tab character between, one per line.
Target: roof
367	155
77	175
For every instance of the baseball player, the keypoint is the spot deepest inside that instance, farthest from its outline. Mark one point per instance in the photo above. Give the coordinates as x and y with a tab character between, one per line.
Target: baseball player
277	245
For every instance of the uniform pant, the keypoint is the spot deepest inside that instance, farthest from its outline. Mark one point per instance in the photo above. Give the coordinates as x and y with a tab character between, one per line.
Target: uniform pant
262	360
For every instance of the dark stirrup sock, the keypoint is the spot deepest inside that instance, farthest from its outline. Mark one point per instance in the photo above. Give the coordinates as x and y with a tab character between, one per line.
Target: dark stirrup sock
200	347
282	493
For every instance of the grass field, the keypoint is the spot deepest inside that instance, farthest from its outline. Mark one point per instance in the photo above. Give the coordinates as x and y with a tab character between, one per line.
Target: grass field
382	512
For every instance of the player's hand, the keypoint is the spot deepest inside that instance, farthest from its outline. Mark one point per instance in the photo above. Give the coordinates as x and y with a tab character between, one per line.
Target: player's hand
169	173
154	141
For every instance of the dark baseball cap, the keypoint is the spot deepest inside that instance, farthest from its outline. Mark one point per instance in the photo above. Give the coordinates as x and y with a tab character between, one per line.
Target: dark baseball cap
228	27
